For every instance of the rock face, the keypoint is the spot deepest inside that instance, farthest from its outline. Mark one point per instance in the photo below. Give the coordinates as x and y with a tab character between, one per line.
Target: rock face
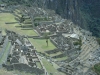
67	9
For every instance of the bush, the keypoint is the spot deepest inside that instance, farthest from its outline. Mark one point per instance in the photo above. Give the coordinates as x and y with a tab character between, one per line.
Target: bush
79	42
97	68
98	40
36	24
76	43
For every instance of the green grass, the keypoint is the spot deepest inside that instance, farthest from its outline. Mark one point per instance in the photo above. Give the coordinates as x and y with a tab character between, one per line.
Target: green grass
3	58
3	32
62	58
55	54
5	72
97	68
1	2
50	68
22	73
38	64
7	17
41	45
17	12
27	21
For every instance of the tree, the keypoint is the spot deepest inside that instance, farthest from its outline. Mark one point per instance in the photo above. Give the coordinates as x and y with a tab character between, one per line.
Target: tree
46	35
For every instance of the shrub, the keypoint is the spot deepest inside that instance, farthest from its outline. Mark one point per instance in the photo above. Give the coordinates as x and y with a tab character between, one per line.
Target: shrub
98	40
97	68
79	42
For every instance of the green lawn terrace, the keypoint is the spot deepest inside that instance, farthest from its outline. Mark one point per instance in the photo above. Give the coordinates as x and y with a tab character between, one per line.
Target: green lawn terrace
7	21
21	73
5	72
41	45
3	58
96	68
5	46
48	51
51	67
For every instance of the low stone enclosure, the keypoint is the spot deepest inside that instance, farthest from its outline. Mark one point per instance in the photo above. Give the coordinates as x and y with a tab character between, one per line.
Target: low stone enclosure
22	55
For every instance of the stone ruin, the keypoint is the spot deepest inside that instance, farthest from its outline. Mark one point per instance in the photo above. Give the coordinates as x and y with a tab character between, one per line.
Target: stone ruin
53	28
22	56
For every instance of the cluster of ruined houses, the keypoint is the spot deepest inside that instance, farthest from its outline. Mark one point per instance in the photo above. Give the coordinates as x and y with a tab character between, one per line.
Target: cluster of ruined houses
22	54
53	28
62	34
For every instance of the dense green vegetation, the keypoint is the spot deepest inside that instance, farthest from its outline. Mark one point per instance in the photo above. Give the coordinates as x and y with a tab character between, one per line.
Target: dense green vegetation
97	68
41	45
98	40
91	10
78	42
51	68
